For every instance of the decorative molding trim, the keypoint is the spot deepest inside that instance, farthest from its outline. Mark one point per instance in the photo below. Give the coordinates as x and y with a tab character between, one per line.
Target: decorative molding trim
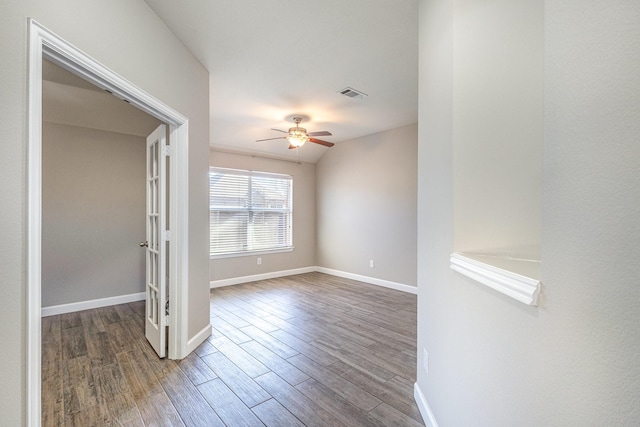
371	280
34	227
519	287
262	276
94	303
424	408
198	338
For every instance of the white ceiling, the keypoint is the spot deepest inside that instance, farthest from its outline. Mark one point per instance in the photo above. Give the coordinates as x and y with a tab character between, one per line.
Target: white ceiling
269	59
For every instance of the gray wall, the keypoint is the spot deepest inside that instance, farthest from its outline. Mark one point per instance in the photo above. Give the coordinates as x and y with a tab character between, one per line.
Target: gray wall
304	218
366	204
498	117
358	203
93	210
129	38
573	359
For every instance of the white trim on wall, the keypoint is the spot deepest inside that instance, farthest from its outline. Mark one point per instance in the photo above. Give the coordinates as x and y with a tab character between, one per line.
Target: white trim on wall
123	299
34	225
519	287
371	280
262	276
199	338
94	303
424	408
272	275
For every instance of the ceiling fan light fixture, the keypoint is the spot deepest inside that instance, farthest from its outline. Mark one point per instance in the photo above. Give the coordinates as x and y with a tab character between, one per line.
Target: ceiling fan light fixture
297	138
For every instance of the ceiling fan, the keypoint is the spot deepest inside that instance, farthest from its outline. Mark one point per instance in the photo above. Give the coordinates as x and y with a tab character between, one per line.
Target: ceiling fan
297	136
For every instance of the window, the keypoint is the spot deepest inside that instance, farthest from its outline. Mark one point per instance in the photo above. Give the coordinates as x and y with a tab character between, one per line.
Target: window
249	212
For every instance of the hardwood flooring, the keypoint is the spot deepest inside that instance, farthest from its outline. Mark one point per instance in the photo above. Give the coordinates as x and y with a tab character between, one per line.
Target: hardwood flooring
306	350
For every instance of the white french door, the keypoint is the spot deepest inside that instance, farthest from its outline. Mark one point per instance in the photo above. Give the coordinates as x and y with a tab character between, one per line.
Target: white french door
157	240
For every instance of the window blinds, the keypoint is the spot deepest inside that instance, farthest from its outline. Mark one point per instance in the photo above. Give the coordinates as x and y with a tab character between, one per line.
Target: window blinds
249	211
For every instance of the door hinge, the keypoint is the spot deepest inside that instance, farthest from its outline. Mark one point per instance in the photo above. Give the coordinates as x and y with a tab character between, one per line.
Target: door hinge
166	235
166	150
166	313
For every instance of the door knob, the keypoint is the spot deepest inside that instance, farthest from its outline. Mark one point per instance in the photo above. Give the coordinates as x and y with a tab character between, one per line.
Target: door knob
144	244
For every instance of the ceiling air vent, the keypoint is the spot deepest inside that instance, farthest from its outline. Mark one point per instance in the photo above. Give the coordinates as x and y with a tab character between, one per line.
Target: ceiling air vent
353	93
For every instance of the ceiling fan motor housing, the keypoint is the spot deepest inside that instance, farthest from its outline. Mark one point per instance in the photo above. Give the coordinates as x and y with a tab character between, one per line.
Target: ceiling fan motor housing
298	130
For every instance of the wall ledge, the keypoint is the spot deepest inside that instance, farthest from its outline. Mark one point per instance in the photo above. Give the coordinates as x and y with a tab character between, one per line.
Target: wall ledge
505	279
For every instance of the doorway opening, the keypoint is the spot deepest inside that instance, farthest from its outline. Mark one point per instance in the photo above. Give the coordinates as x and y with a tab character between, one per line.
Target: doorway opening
43	44
93	195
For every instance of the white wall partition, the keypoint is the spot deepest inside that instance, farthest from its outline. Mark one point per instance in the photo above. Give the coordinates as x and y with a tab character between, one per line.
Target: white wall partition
494	361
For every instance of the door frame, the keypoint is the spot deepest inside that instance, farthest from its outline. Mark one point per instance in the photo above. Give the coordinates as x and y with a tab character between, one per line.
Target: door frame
45	44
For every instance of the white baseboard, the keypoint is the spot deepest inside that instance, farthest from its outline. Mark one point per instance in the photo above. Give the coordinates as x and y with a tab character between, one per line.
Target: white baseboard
371	280
122	299
86	305
425	410
256	277
199	338
282	273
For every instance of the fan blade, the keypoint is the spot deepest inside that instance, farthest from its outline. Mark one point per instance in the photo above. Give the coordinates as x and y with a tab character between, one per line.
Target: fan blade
278	130
269	139
321	142
319	133
291	147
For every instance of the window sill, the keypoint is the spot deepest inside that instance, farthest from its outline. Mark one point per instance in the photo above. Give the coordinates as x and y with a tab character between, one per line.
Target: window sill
517	278
252	253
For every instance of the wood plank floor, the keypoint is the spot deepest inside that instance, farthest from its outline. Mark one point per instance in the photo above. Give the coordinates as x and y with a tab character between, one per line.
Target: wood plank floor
305	350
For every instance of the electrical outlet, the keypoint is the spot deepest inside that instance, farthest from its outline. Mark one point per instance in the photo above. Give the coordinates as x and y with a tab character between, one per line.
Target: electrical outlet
259	261
425	361
371	263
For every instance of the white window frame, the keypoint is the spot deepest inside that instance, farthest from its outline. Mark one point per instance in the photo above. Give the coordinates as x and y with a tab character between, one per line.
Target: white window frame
252	210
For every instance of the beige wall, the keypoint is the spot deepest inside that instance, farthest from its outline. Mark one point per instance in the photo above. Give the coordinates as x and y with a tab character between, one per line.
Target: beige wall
366	206
130	39
573	360
93	210
497	115
358	203
304	219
